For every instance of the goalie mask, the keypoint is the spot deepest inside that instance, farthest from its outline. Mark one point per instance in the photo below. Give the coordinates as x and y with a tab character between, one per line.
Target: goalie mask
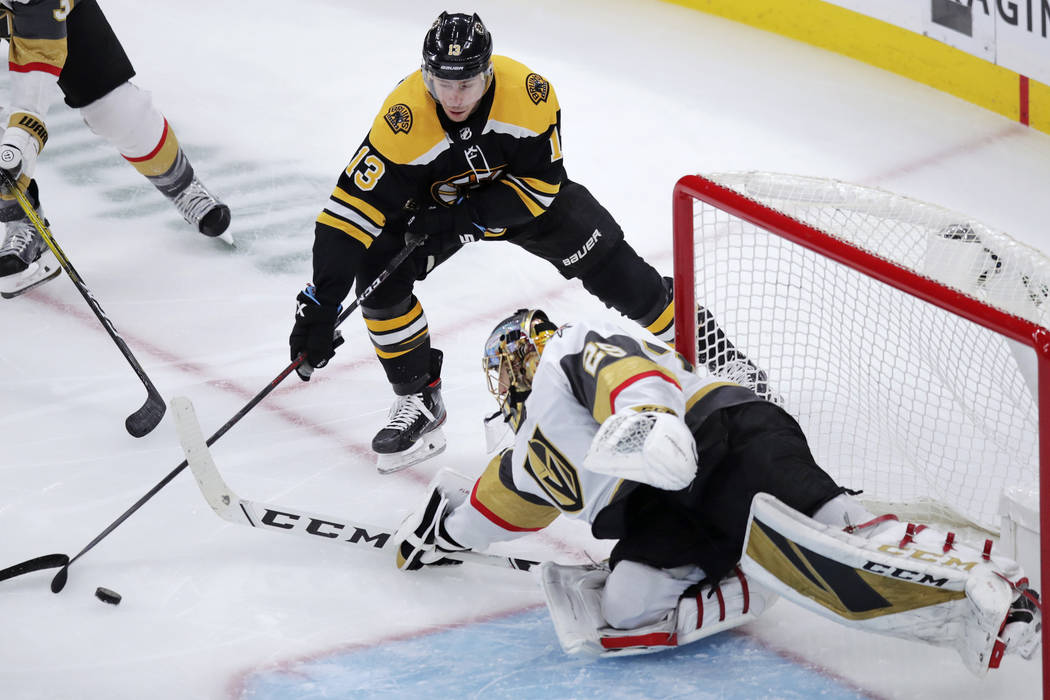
512	353
458	47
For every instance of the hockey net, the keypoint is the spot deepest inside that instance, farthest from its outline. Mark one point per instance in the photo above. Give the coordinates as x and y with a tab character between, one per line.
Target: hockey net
905	338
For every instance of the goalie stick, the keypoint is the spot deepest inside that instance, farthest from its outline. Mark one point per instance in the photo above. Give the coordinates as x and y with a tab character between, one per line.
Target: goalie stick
149	415
231	507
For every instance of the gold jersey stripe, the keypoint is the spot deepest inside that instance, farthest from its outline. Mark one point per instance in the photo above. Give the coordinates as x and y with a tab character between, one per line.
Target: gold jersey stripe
542	185
346	227
48	55
381	325
616	376
366	209
534	208
505	507
704	391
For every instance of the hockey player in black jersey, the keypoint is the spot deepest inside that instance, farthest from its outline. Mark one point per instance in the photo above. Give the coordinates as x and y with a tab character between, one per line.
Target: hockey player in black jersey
691	475
467	148
72	45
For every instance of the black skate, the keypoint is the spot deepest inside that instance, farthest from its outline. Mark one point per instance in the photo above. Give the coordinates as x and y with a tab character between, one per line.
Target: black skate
25	259
413	432
200	208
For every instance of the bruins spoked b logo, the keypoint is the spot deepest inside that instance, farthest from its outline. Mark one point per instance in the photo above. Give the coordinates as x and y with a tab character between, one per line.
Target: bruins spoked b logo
554	474
537	87
399	118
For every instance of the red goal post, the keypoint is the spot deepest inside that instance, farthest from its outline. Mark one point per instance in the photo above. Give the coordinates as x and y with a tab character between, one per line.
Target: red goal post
909	341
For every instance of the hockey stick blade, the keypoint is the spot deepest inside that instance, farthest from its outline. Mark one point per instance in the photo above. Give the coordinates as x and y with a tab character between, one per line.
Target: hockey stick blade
48	561
231	507
148	417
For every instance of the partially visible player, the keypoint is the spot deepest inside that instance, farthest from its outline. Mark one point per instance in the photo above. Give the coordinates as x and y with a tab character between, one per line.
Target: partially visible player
467	148
72	45
682	468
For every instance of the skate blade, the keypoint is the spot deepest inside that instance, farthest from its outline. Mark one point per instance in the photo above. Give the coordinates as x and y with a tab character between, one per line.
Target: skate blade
429	445
44	269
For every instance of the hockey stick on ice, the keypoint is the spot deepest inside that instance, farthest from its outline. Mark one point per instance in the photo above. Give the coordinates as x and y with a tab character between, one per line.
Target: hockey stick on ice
48	561
150	414
229	506
59	581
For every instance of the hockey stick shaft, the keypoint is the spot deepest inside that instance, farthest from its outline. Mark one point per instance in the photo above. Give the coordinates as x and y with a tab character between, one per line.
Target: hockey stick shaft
231	507
149	415
59	581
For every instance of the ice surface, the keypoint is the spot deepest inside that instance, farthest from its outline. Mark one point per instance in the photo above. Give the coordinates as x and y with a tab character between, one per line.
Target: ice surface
270	101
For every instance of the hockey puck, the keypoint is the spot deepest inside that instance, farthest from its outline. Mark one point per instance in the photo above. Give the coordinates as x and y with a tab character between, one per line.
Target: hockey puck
107	596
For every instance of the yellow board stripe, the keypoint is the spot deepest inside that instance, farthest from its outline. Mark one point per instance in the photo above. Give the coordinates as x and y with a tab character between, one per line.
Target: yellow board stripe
370	212
344	226
892	48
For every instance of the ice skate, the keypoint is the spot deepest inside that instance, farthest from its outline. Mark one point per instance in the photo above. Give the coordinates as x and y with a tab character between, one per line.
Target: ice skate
413	433
199	207
25	260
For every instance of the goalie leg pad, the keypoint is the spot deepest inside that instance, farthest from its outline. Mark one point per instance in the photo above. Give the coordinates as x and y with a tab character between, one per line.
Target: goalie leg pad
575	599
904	580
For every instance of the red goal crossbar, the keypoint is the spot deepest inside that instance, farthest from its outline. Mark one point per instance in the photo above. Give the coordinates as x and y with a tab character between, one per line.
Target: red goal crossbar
693	187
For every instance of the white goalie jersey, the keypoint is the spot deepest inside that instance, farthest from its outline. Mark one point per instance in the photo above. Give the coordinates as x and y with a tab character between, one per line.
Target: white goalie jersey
587	372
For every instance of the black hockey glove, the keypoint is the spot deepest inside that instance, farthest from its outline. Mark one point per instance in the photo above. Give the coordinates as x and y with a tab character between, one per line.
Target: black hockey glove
442	228
314	332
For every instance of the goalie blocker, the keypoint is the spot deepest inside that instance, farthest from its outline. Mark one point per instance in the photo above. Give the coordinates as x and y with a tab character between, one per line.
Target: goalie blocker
898	579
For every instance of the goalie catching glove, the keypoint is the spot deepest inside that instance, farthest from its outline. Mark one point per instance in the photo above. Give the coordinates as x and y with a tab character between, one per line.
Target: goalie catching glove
422	540
647	446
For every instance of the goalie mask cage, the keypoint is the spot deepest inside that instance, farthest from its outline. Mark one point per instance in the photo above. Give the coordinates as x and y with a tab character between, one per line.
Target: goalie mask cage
909	341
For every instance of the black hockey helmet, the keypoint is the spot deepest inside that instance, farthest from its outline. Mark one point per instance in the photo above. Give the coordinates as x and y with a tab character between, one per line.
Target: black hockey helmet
457	47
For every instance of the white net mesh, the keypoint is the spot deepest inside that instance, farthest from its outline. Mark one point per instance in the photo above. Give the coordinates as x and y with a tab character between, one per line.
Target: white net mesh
902	399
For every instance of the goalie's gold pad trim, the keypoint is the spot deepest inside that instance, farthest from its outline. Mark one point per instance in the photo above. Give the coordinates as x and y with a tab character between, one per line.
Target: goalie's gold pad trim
504	505
850	593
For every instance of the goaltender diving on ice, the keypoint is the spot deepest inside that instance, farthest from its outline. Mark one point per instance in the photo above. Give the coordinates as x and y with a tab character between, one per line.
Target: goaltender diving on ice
714	500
